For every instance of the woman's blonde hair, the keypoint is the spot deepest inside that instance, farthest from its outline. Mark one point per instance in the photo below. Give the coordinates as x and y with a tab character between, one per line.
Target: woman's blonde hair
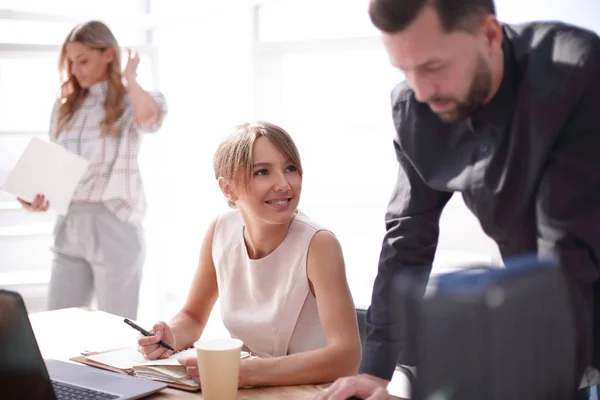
234	154
95	35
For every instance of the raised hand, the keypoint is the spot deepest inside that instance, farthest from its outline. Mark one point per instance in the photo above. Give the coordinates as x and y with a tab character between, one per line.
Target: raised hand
133	60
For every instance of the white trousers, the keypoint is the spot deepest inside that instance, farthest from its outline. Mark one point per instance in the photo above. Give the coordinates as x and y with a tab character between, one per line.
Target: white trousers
96	254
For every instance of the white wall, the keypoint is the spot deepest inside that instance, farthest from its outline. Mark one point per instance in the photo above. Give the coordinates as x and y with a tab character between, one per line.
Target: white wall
205	71
585	13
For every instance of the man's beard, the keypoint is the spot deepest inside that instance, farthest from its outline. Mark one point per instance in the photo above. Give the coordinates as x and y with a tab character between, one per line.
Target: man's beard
478	93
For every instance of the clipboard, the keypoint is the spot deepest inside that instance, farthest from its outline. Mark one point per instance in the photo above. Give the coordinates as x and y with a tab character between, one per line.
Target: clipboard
82	359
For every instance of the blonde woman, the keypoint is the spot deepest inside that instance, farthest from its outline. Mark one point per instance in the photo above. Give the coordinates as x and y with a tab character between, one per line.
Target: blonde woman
279	276
100	115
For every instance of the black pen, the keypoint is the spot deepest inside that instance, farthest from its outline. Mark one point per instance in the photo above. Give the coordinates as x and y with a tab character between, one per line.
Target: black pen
146	333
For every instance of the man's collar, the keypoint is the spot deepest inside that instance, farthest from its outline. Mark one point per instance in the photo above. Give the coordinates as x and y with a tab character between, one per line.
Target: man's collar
499	110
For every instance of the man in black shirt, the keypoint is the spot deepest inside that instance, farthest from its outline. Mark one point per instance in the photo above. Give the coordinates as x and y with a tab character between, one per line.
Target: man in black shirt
507	115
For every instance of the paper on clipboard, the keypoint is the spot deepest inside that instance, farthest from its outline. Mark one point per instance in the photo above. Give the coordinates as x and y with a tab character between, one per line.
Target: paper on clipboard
47	168
130	358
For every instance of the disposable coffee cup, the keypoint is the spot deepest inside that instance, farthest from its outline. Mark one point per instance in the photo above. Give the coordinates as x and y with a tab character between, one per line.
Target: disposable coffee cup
219	367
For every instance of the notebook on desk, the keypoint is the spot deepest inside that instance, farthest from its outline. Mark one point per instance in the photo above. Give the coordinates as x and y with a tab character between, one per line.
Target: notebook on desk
130	362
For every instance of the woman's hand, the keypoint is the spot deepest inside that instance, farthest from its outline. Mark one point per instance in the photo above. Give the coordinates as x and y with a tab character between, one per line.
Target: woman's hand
191	365
133	60
148	345
39	204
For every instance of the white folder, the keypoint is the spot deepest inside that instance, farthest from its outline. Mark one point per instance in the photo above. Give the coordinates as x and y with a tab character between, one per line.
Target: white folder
49	169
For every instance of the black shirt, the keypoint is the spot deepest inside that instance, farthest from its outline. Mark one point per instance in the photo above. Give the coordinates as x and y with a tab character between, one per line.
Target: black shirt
527	165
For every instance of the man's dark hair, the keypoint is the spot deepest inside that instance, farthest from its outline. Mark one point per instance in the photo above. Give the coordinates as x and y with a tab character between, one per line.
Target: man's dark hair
393	16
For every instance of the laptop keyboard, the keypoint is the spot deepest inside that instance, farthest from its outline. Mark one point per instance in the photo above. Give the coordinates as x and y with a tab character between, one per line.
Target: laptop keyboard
68	392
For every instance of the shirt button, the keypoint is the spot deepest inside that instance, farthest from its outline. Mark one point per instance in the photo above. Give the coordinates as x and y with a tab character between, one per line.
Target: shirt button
484	149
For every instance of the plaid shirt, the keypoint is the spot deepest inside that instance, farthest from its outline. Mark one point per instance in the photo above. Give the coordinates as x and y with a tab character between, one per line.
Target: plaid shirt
113	176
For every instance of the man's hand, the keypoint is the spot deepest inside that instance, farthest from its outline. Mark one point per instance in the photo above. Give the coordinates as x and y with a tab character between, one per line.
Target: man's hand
366	387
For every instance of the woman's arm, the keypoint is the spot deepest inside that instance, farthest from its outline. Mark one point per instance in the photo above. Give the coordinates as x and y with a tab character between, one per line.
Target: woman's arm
146	109
341	356
188	324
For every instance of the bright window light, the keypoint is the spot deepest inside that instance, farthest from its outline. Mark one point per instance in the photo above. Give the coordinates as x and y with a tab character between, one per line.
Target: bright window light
286	20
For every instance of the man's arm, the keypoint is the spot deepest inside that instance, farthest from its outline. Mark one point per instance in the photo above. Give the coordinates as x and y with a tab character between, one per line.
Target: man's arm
412	224
568	207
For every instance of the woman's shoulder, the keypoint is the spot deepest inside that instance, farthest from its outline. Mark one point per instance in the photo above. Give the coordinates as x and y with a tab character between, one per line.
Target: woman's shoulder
228	220
227	230
303	221
319	235
229	215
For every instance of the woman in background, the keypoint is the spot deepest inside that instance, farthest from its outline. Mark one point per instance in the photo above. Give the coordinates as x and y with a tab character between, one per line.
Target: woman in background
100	115
279	276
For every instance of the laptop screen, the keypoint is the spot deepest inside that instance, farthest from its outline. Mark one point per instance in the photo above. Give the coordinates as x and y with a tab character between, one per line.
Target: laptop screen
23	373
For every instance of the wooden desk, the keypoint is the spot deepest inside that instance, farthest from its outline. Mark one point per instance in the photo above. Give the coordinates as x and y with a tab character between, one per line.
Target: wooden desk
66	333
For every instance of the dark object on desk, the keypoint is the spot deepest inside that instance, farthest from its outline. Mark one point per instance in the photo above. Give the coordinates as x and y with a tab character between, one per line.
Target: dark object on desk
146	333
25	375
494	334
22	370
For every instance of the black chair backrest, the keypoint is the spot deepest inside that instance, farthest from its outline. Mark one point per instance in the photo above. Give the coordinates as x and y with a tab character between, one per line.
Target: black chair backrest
361	316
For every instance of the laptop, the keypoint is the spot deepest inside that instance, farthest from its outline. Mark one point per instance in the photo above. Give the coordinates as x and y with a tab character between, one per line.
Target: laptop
24	374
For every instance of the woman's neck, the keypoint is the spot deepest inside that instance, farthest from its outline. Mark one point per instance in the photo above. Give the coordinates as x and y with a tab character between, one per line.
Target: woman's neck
262	239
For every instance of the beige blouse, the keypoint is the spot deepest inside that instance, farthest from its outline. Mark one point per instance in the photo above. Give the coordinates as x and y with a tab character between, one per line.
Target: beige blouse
267	303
